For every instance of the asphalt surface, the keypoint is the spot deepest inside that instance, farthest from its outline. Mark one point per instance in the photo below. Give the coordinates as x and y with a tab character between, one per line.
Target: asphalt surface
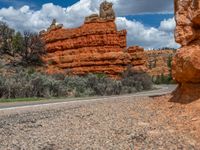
160	90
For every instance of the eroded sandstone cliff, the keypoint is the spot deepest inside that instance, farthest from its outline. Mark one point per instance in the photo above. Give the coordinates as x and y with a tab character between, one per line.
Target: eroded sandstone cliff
159	62
186	65
95	47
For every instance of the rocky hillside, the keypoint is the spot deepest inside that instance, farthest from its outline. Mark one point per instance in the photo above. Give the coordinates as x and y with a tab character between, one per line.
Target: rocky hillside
7	65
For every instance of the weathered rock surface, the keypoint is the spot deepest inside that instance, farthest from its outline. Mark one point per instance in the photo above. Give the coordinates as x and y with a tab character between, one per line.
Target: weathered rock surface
186	64
95	47
186	93
138	59
159	61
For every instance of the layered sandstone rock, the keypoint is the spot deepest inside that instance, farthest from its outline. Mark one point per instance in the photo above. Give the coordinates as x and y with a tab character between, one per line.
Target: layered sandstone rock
159	62
95	47
186	65
138	60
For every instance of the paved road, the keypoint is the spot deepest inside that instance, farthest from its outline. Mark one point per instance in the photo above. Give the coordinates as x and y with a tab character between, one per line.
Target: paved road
161	90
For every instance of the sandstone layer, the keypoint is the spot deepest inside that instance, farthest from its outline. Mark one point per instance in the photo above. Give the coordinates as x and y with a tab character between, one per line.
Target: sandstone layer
95	47
186	64
138	59
159	62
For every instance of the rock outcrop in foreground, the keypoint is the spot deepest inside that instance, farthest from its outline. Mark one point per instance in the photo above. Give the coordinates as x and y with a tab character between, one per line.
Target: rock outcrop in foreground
186	64
95	47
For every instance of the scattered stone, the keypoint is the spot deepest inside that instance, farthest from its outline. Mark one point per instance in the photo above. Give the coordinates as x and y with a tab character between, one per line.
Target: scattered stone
105	124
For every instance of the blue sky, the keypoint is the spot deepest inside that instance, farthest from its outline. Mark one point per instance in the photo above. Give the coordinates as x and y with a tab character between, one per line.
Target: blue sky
35	4
150	19
142	19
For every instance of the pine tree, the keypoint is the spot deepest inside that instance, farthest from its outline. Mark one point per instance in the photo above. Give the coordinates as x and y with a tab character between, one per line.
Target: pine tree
18	43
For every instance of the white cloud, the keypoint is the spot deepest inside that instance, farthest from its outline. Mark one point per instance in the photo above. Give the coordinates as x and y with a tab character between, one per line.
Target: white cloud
168	24
77	12
73	16
148	37
24	9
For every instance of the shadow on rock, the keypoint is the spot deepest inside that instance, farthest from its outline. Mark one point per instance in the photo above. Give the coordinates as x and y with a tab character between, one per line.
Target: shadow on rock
186	93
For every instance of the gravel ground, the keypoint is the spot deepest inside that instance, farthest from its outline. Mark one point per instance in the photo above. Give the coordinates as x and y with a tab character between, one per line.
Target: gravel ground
116	124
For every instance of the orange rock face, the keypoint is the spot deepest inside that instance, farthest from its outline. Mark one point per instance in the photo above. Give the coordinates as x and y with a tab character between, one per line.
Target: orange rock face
138	59
158	62
186	64
186	93
95	47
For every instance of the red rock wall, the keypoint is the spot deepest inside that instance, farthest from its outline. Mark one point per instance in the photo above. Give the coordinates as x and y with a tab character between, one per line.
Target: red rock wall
158	62
95	47
186	64
138	59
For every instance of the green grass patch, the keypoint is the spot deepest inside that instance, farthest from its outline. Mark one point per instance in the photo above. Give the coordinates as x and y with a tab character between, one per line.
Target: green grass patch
20	100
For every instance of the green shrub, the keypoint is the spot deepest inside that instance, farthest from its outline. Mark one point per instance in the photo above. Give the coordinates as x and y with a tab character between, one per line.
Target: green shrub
163	79
28	84
139	81
25	84
76	84
102	85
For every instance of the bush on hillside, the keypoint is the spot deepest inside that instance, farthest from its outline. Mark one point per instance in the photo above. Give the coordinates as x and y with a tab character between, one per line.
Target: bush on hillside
33	49
140	81
32	84
6	36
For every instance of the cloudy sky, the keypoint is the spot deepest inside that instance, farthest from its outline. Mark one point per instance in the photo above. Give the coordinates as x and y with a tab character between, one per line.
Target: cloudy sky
150	23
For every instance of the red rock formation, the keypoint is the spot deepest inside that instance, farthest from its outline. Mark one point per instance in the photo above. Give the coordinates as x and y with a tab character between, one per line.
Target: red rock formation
95	47
138	59
186	64
158	62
